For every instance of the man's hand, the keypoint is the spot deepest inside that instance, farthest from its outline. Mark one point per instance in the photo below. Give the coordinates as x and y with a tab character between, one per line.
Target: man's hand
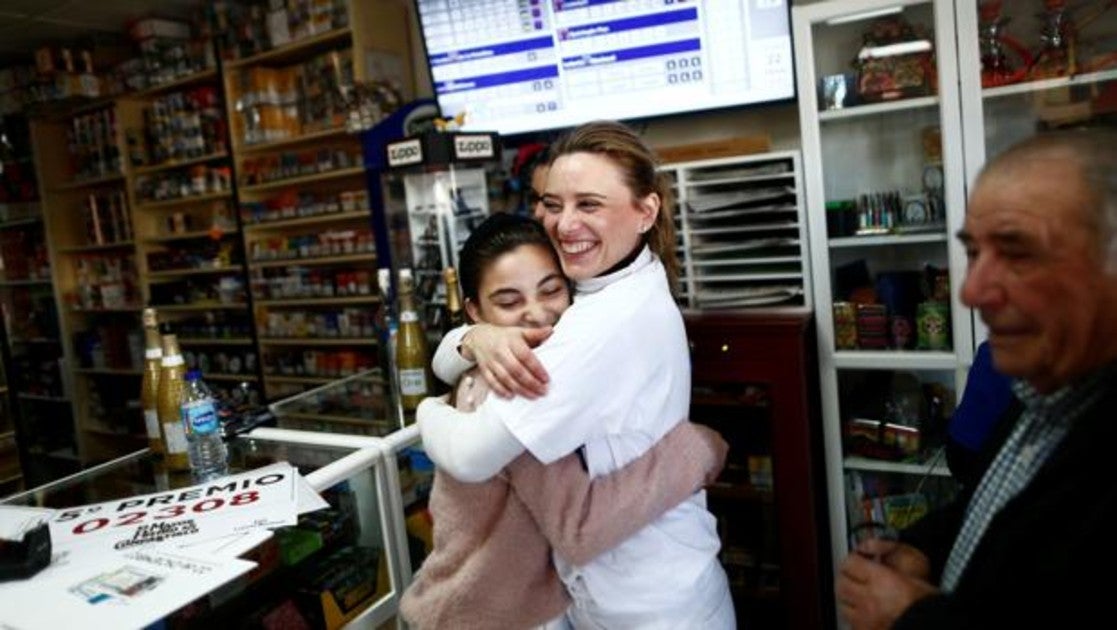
899	556
505	360
872	596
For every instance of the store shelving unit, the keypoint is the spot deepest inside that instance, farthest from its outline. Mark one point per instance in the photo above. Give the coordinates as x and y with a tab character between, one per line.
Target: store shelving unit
292	180
742	232
863	149
96	284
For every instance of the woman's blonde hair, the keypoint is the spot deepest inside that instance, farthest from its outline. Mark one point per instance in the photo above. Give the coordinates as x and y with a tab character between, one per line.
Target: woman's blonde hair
638	163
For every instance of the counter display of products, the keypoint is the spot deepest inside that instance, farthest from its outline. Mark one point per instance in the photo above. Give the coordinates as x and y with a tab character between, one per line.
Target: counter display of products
344	565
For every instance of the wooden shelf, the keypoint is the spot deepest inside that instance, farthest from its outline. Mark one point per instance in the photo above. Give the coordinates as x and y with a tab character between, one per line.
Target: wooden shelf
216	341
322	260
221	376
314	341
108	372
183	273
317	219
91	182
306	138
173	164
33	340
103	247
16	223
303	180
321	301
23	283
200	306
94	311
291	51
301	380
11	478
41	398
192	235
189	80
184	201
107	432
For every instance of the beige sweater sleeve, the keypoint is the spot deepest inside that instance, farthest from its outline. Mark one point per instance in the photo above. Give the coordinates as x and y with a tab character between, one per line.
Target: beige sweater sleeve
583	517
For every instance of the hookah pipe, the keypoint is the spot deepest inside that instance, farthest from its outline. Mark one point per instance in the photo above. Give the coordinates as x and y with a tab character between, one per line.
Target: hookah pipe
995	67
1060	34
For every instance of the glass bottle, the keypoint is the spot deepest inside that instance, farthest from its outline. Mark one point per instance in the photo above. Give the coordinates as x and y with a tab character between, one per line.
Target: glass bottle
454	315
411	347
149	387
169	397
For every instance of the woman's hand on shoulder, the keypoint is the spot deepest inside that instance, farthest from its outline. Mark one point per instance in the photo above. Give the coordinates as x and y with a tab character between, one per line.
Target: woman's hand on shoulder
505	359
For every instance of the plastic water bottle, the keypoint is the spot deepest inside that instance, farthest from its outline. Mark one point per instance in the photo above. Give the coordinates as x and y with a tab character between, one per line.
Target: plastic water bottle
208	457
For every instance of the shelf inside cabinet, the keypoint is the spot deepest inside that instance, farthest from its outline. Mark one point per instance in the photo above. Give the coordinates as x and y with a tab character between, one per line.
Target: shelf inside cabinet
303	180
875	109
183	273
321	260
190	80
313	136
1027	87
888	239
184	201
92	182
23	283
173	164
320	301
317	341
317	219
299	380
216	341
102	247
17	223
292	51
221	376
937	468
200	306
96	310
192	235
43	398
108	371
351	420
895	360
739	492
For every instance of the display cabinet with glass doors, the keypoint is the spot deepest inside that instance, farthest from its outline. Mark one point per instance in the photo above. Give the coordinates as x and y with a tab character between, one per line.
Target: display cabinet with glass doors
884	176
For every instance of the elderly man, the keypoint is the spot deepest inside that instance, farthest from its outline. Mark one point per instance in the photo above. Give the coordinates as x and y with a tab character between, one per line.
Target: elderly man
1035	545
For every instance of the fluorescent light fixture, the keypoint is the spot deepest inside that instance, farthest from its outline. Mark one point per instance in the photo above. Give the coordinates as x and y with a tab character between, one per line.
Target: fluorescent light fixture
894	50
864	15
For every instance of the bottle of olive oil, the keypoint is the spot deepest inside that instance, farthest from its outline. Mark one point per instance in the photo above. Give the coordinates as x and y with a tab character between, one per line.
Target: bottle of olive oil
149	387
169	397
412	363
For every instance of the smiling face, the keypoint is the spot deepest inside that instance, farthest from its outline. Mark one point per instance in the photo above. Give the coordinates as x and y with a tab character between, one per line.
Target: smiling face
1036	272
522	287
591	215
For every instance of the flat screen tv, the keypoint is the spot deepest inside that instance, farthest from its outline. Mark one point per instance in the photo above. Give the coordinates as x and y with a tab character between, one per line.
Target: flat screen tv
518	66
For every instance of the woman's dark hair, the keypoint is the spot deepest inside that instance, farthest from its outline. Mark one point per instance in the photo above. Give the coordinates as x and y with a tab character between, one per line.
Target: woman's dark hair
494	237
639	163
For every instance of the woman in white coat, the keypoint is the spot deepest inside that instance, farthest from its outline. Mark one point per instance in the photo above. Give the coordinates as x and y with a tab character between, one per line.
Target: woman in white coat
618	375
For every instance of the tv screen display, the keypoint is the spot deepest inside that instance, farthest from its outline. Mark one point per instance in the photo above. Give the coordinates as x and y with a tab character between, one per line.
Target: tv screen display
516	66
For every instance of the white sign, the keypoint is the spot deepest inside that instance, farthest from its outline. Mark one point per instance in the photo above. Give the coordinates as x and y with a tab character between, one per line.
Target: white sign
405	152
473	147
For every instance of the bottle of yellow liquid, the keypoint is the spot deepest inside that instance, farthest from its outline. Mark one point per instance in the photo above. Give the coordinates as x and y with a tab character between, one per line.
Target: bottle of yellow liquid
168	400
412	363
149	388
454	316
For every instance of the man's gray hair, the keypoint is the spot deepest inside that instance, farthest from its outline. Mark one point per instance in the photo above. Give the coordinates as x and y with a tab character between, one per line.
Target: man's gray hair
1095	153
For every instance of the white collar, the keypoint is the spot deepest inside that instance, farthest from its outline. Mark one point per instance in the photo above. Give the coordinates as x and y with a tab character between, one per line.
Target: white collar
593	285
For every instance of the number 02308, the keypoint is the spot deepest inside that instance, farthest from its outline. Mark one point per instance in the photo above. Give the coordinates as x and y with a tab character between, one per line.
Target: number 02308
166	512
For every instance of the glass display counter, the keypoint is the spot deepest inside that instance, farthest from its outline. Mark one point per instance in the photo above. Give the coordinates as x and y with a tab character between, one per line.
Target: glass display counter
358	476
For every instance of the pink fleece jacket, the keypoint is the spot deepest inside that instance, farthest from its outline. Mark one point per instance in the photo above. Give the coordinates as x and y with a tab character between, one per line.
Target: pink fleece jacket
491	563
